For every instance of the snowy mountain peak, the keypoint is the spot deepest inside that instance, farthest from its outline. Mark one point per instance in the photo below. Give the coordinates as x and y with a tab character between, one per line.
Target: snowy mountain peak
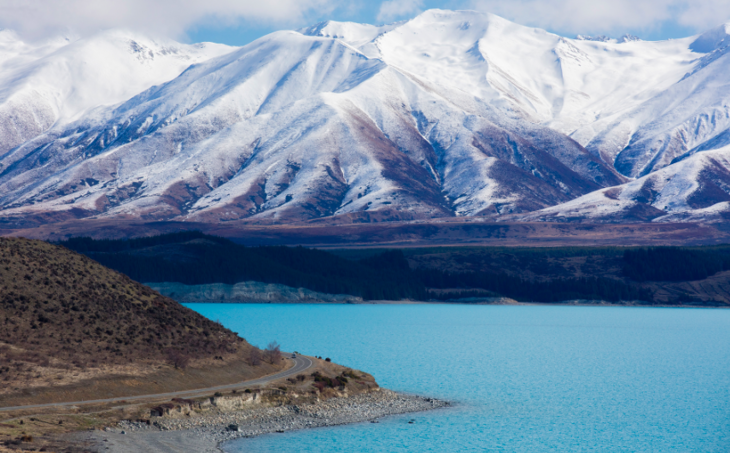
461	21
59	81
598	38
350	32
712	40
455	22
452	113
603	38
629	38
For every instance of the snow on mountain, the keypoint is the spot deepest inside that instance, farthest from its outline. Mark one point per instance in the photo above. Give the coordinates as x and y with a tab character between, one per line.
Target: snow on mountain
606	94
59	81
695	189
712	40
691	115
451	113
14	52
296	127
570	85
353	33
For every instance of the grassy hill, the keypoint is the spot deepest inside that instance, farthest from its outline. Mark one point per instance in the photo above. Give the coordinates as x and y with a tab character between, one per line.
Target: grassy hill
67	324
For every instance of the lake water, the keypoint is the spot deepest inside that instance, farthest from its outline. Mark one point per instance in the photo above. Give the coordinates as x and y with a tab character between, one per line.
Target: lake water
525	378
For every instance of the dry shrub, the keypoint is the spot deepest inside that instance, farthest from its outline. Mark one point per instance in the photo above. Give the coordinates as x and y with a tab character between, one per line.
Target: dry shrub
272	353
254	357
178	359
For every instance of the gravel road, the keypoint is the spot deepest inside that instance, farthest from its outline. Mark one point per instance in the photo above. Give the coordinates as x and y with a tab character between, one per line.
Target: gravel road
301	363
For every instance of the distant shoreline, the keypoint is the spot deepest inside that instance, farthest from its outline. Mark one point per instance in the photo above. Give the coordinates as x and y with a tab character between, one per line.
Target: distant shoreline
252	292
507	303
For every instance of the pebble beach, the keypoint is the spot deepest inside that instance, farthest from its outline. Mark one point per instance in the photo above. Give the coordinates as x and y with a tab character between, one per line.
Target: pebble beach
209	432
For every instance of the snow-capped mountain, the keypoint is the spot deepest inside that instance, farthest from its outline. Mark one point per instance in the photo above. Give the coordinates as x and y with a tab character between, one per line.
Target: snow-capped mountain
691	115
694	189
48	85
449	114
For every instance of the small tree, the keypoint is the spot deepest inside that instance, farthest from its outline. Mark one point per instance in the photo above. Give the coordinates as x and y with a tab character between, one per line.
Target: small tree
178	358
254	357
272	353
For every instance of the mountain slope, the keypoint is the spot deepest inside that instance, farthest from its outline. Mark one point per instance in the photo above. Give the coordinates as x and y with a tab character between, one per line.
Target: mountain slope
695	189
453	113
690	116
56	82
294	127
65	318
572	85
46	289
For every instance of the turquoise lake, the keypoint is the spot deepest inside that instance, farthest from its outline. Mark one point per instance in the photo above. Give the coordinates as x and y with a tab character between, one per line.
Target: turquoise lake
523	378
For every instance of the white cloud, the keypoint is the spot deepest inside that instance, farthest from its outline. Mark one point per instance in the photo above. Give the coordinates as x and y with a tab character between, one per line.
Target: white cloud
35	19
395	9
594	16
701	14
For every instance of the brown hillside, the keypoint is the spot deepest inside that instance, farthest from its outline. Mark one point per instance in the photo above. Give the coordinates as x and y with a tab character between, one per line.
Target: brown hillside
65	318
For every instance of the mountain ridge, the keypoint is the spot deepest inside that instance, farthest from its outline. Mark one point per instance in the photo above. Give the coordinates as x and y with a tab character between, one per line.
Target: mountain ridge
452	113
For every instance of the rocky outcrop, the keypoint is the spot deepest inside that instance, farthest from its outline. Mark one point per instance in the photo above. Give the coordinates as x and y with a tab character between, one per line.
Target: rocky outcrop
248	292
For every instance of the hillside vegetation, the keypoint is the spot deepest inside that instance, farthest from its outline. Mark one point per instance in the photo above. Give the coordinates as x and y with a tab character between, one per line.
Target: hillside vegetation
63	315
666	275
675	264
655	275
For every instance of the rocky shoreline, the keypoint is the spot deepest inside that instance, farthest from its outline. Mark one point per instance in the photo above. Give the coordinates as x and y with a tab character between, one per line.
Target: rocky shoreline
205	433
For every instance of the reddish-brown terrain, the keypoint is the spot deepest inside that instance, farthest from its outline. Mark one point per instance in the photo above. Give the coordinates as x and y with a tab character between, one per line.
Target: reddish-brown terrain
339	232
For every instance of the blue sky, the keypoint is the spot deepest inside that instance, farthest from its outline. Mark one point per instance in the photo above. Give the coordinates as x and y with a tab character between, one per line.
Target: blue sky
238	22
651	28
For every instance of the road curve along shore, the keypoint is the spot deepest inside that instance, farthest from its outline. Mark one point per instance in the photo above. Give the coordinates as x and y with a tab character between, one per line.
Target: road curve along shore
301	363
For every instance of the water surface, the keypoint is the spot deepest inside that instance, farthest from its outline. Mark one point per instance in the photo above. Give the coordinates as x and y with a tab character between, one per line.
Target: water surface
525	378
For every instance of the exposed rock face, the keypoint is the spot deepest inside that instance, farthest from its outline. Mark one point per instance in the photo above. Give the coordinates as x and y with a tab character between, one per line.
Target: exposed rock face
255	292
